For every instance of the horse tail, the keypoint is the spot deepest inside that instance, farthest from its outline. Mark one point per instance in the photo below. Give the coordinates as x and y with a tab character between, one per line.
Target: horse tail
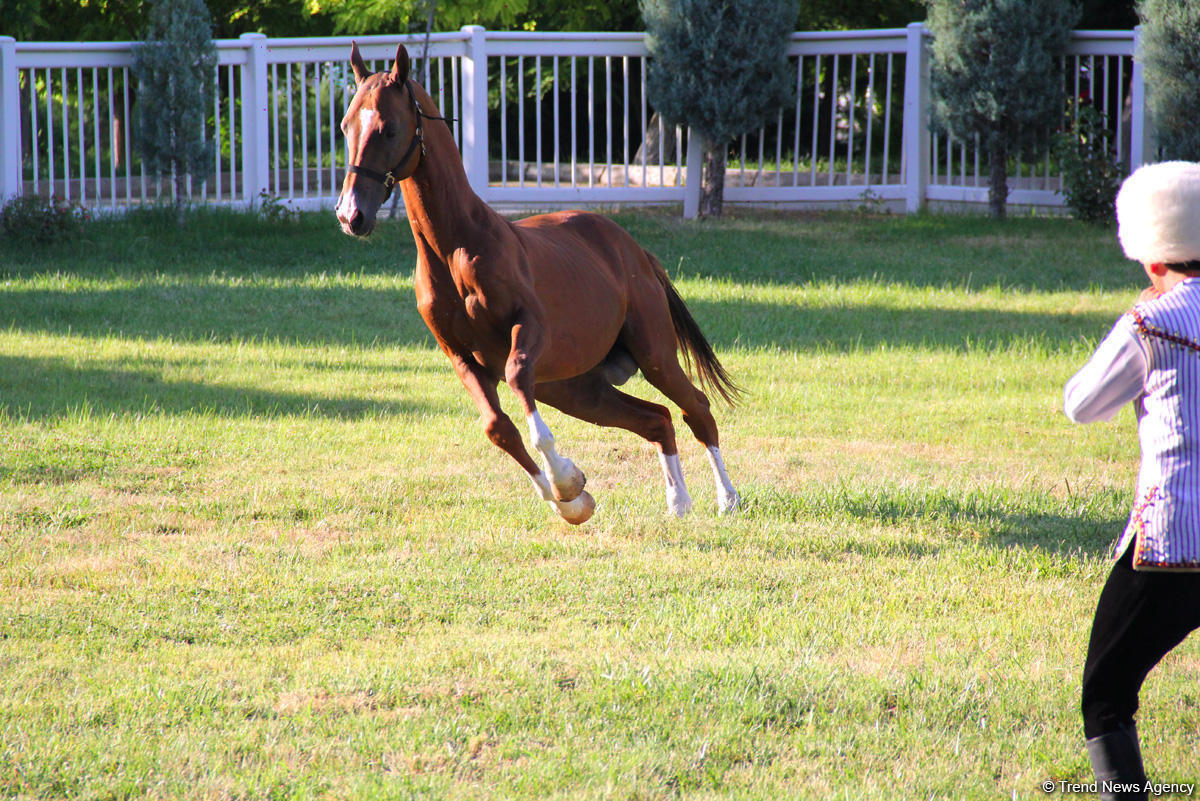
695	348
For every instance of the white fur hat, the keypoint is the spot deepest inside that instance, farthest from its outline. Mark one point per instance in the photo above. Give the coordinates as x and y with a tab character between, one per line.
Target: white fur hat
1158	213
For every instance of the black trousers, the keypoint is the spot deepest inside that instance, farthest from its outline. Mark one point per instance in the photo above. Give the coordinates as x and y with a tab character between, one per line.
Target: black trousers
1140	617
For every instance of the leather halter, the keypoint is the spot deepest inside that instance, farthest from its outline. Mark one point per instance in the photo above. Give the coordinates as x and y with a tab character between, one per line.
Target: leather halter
388	179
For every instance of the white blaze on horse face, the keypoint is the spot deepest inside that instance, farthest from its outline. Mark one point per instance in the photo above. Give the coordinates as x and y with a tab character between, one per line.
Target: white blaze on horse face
679	503
727	497
348	202
366	118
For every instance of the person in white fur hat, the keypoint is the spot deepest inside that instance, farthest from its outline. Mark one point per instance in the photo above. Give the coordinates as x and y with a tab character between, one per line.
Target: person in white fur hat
1151	358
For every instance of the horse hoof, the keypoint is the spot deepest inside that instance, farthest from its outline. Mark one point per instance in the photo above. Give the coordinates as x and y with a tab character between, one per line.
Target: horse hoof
679	504
569	485
728	504
577	511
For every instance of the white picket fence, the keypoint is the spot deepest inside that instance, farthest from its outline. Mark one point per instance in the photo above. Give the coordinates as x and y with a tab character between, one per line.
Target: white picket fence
542	119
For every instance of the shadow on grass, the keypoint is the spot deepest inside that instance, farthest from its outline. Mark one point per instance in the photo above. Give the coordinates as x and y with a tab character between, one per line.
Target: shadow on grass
146	242
753	246
998	516
847	328
208	312
927	250
359	316
44	388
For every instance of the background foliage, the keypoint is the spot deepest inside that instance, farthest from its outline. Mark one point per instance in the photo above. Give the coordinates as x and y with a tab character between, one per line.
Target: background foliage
1091	172
174	68
720	67
717	65
995	75
1170	53
99	20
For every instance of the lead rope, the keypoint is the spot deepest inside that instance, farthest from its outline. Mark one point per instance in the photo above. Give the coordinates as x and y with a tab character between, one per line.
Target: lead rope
425	69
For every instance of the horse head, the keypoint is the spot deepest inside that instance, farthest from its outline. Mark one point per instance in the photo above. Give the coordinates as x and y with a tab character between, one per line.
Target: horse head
383	140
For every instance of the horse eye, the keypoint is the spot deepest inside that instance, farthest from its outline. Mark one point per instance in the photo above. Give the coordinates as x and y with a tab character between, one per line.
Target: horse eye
389	132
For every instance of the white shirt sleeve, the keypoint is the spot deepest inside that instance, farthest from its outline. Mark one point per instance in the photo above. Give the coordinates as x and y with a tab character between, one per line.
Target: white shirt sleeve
1113	377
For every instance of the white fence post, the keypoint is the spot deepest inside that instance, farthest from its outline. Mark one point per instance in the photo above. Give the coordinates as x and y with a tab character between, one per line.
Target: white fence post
916	119
1142	147
255	119
474	110
693	179
10	120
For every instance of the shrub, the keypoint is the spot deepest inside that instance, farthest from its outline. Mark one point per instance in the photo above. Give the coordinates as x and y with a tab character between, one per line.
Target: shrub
1091	173
174	69
720	67
997	74
276	210
1170	54
31	219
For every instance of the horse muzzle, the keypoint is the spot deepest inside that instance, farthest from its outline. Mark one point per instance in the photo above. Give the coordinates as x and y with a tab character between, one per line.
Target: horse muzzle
354	219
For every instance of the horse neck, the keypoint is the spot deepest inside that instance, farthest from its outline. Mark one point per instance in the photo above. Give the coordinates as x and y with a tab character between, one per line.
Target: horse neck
442	208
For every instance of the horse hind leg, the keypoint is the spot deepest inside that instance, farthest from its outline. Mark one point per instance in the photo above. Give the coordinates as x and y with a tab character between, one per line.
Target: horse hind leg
697	414
660	366
728	499
593	399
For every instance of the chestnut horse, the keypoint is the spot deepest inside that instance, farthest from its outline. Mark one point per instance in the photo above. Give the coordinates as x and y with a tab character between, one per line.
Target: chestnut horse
560	306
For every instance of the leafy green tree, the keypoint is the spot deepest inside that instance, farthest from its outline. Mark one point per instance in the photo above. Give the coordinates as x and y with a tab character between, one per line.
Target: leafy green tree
720	67
374	16
835	15
174	71
996	74
1170	55
94	20
1108	15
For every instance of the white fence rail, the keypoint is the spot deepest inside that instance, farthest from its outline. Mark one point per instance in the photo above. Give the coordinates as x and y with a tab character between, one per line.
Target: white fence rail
541	119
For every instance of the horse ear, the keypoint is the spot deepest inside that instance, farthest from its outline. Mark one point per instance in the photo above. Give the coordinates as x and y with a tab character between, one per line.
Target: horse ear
357	63
401	65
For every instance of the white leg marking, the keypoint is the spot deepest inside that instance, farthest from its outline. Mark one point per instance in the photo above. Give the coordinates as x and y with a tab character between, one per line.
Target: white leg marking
575	511
542	485
565	477
727	497
539	433
679	503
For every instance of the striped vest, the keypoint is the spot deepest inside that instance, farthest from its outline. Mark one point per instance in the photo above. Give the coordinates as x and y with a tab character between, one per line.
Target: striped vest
1165	522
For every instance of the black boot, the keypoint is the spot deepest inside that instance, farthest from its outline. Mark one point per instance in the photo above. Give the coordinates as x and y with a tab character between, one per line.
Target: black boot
1117	762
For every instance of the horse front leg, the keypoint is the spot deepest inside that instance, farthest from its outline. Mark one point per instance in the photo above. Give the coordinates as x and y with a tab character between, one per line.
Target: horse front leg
528	340
504	435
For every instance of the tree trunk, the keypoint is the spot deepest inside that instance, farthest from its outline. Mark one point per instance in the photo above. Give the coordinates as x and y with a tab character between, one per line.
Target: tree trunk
712	189
998	179
181	198
653	149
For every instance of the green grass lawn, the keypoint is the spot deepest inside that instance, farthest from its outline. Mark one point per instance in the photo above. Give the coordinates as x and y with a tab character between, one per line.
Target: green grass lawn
254	543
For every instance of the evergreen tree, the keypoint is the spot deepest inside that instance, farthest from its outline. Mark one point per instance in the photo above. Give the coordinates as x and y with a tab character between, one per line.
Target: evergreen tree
1170	55
720	67
996	73
174	71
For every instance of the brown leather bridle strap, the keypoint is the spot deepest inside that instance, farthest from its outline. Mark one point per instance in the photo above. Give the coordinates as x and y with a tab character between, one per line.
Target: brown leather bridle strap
388	179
